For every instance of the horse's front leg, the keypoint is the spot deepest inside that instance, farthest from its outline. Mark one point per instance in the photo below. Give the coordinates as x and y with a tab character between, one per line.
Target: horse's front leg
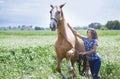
69	55
58	68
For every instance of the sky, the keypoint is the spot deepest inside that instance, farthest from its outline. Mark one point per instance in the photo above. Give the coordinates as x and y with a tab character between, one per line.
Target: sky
76	12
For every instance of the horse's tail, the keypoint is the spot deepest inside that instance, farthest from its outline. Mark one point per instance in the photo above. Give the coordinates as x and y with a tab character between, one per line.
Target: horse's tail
82	60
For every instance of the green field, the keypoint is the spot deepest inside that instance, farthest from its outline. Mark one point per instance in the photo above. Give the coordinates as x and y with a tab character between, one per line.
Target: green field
31	55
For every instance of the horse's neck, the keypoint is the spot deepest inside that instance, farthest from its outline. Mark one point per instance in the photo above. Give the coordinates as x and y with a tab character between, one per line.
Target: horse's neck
62	27
64	32
61	30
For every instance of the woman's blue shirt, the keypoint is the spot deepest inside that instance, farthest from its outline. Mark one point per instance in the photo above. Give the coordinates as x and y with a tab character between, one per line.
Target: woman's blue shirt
89	46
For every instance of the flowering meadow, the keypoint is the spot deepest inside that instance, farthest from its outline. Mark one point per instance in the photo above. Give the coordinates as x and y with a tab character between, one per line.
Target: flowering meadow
30	55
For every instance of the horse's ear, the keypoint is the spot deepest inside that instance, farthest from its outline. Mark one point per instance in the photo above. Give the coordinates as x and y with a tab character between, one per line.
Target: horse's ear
51	6
62	5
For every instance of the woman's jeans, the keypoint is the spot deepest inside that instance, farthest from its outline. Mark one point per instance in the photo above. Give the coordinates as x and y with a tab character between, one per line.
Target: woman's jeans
95	67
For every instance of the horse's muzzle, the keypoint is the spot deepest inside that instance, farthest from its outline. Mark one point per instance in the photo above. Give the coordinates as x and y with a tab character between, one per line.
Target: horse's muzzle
53	25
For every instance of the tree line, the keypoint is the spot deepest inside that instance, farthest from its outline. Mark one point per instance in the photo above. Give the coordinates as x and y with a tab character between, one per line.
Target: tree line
110	25
23	27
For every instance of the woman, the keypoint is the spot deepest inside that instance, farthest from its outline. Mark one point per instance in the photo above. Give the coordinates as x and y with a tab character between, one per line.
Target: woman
91	44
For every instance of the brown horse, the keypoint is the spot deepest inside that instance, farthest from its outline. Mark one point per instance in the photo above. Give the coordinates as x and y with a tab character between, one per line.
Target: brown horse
68	45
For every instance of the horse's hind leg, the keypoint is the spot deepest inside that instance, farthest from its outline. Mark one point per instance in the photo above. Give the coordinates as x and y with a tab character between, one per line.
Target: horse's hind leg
87	70
58	68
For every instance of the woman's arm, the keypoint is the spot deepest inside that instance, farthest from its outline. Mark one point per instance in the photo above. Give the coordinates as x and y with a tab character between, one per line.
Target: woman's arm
74	31
78	35
91	51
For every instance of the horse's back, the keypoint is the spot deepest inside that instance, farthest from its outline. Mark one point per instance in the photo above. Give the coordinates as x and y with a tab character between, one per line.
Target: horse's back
80	44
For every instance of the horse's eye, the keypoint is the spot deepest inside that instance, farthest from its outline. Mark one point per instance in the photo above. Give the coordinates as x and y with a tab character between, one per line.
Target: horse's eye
58	12
50	11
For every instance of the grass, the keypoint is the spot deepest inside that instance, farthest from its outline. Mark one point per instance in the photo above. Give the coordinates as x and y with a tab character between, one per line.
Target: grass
31	55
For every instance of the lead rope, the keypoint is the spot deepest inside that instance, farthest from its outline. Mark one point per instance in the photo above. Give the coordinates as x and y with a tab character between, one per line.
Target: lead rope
82	65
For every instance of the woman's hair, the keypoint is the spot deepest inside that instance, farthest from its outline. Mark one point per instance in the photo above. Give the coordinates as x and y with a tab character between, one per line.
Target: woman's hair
93	33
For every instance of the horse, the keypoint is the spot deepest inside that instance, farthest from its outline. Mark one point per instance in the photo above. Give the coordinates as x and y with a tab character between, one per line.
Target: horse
68	44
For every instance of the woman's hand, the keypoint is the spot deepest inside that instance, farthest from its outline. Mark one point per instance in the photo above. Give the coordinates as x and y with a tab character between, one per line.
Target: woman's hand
83	53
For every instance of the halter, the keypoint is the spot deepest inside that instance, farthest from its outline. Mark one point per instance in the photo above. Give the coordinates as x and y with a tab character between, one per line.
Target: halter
55	20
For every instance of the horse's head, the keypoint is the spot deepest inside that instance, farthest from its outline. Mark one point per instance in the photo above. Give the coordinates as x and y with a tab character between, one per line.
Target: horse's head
55	16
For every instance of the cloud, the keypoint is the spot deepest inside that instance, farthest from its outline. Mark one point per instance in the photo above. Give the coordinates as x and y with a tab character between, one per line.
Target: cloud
36	12
1	1
26	13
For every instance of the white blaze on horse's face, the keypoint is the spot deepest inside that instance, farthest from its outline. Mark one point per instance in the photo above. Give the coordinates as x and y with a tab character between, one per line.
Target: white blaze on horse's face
53	22
56	17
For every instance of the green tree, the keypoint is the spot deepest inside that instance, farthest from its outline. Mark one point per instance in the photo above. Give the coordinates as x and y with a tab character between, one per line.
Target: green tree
95	25
116	24
113	25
